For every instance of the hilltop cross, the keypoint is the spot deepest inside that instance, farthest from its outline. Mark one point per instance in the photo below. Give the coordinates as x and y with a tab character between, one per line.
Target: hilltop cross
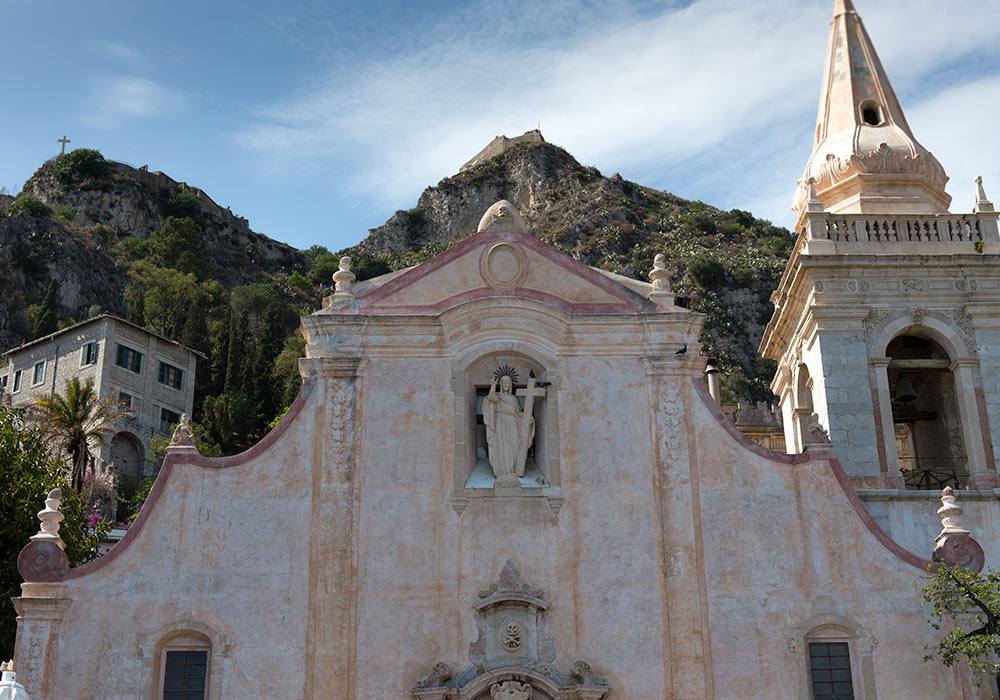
63	141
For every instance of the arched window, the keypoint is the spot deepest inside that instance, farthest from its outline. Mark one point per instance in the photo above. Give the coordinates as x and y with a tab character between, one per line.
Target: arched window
835	659
925	414
183	661
184	667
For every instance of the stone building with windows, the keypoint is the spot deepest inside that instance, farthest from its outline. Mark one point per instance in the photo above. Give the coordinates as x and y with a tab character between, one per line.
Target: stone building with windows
153	374
505	478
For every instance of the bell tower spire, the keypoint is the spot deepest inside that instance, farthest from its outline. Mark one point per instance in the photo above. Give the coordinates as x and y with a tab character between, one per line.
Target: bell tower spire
865	158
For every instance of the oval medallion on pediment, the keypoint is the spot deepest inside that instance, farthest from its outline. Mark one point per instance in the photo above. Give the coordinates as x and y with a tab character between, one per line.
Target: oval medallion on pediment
504	266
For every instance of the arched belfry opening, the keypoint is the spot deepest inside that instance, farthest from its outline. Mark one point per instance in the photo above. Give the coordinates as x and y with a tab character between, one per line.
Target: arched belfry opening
925	413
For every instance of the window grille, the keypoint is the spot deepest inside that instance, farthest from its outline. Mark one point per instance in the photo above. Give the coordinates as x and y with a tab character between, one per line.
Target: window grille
830	671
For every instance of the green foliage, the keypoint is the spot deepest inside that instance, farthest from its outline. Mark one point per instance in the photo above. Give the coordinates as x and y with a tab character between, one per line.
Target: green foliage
707	272
80	165
180	203
29	205
64	212
75	421
178	245
46	319
323	266
28	473
968	605
132	494
162	299
105	235
297	279
287	379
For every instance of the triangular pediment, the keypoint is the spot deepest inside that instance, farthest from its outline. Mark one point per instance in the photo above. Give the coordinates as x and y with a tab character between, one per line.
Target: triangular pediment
500	264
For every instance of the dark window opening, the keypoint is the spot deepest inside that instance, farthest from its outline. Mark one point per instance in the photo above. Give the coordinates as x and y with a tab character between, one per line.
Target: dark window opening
870	115
925	413
184	675
171	376
830	671
128	358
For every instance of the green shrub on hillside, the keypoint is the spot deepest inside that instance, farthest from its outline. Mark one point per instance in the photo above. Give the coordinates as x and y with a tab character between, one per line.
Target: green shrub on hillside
707	272
79	165
181	202
29	205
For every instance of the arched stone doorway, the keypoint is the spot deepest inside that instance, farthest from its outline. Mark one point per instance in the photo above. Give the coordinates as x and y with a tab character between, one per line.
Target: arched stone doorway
128	456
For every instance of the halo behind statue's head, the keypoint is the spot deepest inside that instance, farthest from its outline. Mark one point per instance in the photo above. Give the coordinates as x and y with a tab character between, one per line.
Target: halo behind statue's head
505	371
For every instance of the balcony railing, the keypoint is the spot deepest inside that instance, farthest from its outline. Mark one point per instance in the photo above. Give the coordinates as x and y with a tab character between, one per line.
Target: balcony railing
926	228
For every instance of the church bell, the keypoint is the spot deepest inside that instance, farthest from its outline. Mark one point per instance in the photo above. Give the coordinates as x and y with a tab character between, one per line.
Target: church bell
904	390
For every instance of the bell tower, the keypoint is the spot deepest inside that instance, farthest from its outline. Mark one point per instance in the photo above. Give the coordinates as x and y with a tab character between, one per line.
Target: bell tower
886	326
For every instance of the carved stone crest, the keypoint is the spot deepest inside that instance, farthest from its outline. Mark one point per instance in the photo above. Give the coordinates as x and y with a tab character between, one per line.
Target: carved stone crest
512	658
510	690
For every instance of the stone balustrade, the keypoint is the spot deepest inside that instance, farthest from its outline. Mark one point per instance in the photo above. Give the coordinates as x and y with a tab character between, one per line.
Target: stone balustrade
866	228
893	233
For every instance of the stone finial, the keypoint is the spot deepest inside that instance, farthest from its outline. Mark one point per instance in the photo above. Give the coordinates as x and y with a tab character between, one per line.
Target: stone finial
983	204
10	689
950	513
344	279
183	438
813	204
502	217
955	545
50	517
660	277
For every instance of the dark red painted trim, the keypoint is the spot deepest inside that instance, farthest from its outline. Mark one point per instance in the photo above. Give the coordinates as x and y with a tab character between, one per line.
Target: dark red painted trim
827	455
305	392
631	302
701	389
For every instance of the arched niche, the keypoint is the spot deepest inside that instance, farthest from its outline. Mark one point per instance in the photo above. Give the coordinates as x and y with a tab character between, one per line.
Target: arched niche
471	375
128	456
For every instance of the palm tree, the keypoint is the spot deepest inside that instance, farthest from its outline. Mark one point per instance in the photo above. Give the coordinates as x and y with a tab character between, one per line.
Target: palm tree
74	420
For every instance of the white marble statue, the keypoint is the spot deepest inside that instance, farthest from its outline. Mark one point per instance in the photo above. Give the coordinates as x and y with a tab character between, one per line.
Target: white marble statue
509	430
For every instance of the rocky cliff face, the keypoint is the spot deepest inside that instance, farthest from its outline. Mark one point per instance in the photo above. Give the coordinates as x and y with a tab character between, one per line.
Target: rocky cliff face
727	262
76	233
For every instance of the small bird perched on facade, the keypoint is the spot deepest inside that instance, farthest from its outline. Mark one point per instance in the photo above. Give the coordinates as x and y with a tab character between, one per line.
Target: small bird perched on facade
682	350
541	385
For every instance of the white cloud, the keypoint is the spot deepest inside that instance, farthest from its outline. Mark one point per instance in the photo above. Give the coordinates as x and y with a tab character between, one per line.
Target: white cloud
119	51
114	100
626	90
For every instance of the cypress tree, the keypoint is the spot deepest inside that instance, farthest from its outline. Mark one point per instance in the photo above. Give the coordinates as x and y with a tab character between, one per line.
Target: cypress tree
47	320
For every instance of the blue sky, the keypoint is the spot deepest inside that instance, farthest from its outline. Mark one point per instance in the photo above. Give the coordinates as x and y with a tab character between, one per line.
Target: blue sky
317	120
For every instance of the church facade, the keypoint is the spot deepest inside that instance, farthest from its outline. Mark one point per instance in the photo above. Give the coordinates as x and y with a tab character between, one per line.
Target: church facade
505	477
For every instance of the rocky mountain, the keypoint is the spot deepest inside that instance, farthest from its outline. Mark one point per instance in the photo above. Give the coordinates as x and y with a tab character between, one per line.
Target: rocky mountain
75	220
82	221
727	262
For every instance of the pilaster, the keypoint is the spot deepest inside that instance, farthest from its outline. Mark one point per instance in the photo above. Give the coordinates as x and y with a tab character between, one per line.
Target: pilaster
40	611
687	651
331	635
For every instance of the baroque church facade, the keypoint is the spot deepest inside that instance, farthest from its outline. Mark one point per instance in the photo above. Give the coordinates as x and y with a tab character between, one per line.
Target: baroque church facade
505	477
